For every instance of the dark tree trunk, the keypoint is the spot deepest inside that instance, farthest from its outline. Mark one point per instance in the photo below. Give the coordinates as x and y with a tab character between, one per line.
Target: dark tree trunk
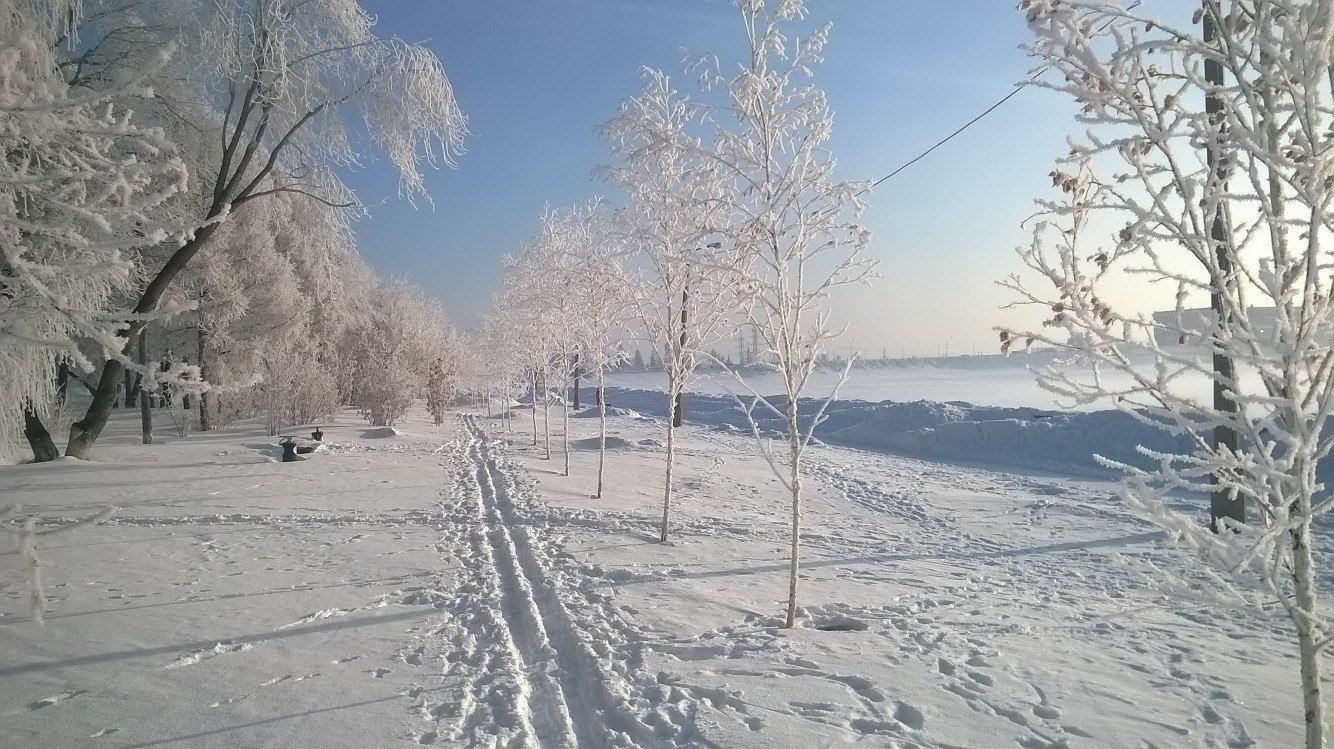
145	404
131	390
43	447
205	420
62	382
575	399
84	432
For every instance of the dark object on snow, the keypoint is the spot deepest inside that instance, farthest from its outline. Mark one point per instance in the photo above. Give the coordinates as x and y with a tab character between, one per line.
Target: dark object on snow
289	449
318	435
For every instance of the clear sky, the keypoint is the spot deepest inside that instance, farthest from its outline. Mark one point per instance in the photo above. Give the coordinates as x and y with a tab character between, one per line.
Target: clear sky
537	77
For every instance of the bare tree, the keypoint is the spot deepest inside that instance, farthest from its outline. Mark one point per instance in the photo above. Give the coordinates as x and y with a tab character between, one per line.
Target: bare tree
791	219
676	189
602	292
1231	204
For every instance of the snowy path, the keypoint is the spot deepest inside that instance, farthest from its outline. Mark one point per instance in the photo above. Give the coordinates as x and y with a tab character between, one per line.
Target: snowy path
447	586
521	672
519	676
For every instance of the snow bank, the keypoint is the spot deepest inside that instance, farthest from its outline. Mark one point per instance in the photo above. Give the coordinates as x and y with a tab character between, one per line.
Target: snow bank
957	431
591	443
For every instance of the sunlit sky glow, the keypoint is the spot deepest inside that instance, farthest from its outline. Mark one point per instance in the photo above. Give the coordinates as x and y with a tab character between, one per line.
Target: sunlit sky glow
536	79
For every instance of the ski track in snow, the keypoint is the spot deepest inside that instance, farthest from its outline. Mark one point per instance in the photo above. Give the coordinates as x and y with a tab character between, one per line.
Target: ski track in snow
521	668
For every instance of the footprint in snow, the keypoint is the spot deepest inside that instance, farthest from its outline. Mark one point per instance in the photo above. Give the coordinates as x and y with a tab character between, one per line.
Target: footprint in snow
49	701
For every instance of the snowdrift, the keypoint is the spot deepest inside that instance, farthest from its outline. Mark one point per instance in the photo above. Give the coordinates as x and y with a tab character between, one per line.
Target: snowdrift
957	431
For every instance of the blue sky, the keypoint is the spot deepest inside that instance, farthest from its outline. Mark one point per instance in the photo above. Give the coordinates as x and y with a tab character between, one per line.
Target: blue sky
537	77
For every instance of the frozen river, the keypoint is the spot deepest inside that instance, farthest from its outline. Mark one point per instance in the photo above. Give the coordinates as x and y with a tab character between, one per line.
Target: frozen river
984	381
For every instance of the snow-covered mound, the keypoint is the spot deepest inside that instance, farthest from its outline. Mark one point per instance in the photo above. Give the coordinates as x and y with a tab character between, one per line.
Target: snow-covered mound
1027	438
591	443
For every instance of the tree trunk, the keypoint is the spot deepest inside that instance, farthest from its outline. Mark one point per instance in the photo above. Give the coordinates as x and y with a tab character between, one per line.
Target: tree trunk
575	397
678	418
546	417
1223	503
62	382
43	447
794	442
534	408
131	390
671	455
145	406
565	434
602	435
205	419
1308	638
84	432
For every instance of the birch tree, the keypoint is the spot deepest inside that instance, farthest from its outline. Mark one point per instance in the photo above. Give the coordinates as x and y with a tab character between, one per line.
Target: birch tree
537	283
792	221
1229	204
602	295
676	189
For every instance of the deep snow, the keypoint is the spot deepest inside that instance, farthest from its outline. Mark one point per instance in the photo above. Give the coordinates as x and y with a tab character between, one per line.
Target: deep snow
445	585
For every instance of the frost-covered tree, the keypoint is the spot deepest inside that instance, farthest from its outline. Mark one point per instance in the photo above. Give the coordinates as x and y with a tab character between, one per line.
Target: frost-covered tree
791	220
1223	197
602	296
442	380
268	87
537	293
575	298
407	333
497	364
80	184
676	192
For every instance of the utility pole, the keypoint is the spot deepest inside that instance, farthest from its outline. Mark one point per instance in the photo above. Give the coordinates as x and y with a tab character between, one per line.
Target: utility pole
1223	503
679	418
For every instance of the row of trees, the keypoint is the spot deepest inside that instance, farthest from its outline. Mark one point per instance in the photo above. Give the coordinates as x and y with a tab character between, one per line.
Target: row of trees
732	217
169	169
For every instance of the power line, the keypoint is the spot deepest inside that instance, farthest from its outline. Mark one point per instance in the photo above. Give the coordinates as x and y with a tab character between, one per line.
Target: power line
949	137
1037	74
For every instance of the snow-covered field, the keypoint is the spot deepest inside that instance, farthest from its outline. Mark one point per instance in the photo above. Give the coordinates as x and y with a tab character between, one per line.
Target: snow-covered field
446	585
981	380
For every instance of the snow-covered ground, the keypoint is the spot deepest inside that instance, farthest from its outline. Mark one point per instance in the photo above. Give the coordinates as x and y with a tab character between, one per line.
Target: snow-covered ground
446	585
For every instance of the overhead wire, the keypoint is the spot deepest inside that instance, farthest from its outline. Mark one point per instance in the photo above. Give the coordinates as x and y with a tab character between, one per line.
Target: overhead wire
1036	74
